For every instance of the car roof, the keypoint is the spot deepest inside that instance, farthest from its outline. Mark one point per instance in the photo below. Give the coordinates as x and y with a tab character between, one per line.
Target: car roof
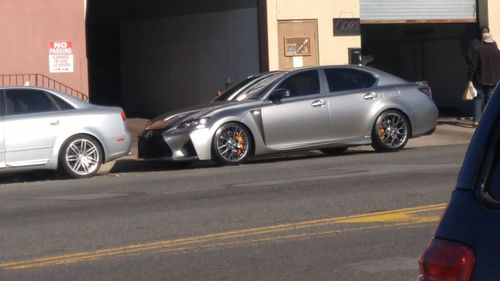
75	102
384	77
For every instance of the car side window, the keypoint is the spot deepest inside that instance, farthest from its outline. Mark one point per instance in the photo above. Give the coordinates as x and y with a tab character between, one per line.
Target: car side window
343	79
493	181
26	101
2	104
303	83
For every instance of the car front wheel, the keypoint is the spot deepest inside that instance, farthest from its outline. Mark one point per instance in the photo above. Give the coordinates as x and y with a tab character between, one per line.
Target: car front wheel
81	156
231	144
391	131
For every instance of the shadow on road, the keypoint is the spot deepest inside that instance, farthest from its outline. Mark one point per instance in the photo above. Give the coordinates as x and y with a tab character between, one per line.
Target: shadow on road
457	123
135	165
32	176
143	166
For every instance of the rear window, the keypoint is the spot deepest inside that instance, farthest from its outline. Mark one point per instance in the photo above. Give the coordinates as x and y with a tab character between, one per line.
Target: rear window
63	105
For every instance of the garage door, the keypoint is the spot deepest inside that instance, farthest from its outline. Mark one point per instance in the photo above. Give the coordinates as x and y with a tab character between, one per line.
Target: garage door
417	11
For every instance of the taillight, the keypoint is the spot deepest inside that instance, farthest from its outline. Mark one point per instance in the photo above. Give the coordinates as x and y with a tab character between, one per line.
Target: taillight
124	117
426	90
446	261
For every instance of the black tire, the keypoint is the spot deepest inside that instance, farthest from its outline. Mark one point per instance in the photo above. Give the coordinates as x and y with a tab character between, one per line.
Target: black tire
333	150
391	131
80	156
232	144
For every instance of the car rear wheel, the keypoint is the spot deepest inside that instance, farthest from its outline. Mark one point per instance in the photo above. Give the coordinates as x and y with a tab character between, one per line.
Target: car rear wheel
391	131
232	144
81	156
333	150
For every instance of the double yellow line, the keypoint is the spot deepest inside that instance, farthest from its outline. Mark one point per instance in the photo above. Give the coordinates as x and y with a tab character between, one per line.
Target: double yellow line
393	218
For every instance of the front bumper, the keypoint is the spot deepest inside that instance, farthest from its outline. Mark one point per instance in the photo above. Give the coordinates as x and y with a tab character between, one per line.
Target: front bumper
175	144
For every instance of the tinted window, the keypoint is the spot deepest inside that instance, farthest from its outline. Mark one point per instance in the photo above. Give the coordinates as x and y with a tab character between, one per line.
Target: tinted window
63	105
348	79
231	92
303	83
24	101
493	182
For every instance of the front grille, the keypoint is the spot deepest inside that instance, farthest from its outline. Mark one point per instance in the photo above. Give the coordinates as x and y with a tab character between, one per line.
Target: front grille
188	149
152	145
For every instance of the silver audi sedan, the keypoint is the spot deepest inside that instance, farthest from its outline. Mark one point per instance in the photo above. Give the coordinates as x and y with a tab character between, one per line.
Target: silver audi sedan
328	108
45	129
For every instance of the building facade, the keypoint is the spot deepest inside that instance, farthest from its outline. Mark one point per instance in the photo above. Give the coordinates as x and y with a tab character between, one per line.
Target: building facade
154	56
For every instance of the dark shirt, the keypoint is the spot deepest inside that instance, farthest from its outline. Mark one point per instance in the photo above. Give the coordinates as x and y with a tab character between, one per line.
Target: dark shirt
484	64
472	61
489	64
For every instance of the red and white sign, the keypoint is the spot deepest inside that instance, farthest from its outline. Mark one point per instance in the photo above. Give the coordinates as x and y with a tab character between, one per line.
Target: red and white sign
60	56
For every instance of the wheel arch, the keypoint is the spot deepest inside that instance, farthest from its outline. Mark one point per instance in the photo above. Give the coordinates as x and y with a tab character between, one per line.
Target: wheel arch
252	135
398	109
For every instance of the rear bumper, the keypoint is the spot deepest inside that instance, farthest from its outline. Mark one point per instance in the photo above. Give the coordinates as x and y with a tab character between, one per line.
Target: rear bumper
118	147
430	132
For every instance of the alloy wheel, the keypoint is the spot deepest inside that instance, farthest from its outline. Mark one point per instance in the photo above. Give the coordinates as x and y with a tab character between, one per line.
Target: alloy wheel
82	157
232	143
393	130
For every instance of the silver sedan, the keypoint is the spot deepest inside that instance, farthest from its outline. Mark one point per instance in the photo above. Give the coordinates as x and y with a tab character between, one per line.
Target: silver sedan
45	129
329	108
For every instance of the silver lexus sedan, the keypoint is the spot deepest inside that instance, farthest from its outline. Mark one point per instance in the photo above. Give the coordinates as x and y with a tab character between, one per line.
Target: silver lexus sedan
328	108
45	129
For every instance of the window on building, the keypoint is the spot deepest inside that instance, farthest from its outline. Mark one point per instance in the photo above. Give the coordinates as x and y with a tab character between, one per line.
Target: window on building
342	79
26	101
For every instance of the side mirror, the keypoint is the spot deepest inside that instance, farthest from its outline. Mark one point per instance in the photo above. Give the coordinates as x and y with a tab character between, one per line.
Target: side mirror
278	94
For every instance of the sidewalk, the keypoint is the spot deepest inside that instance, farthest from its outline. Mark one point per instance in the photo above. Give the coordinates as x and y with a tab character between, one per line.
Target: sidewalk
449	131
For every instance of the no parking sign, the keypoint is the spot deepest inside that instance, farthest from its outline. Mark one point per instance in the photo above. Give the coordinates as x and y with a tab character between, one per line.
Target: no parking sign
60	56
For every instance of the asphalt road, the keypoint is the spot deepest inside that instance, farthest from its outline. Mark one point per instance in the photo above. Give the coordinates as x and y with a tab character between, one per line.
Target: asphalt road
358	216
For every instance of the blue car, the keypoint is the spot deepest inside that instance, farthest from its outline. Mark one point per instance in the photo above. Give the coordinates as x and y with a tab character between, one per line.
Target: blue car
466	245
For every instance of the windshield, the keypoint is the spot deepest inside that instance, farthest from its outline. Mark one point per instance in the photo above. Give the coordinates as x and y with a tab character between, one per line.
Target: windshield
258	88
232	91
250	88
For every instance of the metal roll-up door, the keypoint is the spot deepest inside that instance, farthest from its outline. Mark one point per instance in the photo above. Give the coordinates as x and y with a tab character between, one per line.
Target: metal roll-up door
417	11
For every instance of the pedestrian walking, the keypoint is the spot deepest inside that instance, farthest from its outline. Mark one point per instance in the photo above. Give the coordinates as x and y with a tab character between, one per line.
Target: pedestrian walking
483	70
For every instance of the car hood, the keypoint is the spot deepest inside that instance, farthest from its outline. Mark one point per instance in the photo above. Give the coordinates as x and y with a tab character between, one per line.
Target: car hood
173	118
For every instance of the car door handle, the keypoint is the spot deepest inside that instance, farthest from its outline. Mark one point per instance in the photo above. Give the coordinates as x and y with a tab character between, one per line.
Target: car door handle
318	103
55	123
370	96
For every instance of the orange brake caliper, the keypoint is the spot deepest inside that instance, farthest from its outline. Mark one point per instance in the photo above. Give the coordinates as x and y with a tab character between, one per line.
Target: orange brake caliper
241	145
381	131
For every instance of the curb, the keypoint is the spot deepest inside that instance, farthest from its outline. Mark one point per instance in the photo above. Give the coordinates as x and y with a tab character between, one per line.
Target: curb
449	131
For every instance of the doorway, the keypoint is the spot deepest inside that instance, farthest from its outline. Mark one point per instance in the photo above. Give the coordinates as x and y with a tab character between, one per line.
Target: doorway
298	43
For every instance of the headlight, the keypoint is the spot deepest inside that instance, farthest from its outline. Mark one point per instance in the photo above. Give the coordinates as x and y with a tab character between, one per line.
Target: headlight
199	123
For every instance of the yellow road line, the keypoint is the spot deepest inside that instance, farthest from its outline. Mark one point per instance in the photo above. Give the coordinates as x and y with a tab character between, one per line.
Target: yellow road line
394	216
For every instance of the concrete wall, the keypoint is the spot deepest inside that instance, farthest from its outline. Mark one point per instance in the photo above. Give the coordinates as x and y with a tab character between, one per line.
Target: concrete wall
488	15
332	50
27	26
171	63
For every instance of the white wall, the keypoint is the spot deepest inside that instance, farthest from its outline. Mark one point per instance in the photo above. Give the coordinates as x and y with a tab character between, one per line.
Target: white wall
171	63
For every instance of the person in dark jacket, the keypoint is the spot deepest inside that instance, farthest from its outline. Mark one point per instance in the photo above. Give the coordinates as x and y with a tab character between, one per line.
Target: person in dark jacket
483	70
